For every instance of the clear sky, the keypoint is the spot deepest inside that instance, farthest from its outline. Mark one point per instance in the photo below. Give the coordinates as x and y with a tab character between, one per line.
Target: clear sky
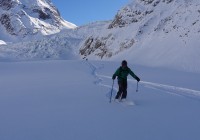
81	12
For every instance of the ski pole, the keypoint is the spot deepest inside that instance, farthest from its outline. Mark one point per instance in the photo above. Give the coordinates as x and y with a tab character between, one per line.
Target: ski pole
111	92
137	87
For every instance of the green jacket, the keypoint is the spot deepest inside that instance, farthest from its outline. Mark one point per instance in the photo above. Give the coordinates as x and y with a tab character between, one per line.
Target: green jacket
122	74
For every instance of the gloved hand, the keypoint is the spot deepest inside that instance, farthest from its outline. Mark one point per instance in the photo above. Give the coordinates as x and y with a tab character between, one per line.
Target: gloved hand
138	79
113	77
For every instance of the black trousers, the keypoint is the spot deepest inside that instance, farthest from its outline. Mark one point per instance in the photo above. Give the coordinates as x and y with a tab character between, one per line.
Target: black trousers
122	93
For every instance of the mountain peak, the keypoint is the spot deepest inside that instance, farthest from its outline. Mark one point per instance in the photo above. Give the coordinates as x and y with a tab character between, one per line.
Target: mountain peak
21	19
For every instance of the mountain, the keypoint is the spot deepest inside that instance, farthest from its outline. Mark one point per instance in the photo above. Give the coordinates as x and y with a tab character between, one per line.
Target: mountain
156	33
22	19
151	32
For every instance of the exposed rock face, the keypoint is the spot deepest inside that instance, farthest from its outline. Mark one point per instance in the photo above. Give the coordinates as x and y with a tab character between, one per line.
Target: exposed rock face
7	4
6	22
129	15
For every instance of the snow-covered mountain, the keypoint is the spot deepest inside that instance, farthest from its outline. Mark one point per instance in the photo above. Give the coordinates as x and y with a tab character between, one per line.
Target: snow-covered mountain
25	19
151	32
163	33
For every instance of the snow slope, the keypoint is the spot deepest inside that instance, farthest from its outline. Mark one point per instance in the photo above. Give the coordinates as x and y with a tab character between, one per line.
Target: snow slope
64	45
2	42
48	100
162	33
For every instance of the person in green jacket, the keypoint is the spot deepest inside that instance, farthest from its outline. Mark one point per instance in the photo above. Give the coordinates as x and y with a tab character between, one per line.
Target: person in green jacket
122	72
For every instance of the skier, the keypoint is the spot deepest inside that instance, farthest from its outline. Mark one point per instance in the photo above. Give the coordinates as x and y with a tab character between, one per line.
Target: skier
122	73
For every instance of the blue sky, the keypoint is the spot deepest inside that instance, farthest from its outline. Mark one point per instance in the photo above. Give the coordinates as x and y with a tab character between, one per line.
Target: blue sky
81	12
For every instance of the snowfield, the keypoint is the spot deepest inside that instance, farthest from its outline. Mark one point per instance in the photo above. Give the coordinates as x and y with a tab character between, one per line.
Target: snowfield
59	100
66	98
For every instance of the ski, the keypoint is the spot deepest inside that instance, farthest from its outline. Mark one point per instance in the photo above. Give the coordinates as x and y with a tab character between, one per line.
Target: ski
125	102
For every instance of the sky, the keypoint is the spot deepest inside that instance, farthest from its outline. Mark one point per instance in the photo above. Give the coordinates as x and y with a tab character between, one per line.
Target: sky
81	12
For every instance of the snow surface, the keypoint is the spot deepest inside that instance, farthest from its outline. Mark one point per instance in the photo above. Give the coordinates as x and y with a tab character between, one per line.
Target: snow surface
2	42
48	100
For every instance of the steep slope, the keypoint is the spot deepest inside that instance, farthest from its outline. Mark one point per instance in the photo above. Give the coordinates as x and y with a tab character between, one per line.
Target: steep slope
151	32
23	20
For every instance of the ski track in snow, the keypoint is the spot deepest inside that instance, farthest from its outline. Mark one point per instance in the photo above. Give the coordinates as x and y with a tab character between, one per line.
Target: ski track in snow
190	93
179	91
99	80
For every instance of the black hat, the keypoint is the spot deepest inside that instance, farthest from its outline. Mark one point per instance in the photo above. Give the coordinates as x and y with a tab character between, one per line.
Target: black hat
124	63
